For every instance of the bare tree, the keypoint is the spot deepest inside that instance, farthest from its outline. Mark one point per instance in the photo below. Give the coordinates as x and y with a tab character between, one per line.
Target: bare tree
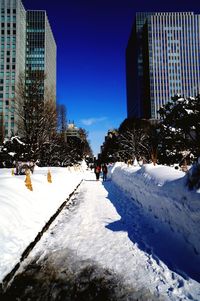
133	144
133	139
35	113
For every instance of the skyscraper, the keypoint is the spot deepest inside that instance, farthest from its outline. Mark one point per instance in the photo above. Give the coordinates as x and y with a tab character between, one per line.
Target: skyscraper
163	60
27	46
40	50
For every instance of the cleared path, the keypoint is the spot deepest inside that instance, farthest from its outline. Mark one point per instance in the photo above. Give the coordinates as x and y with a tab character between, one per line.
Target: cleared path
104	227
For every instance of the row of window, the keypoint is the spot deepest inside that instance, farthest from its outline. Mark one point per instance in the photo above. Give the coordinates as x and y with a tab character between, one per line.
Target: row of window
7	81
6	117
8	60
3	31
35	56
8	19
35	61
8	39
8	25
8	101
8	74
8	52
35	51
35	30
8	67
7	88
8	46
7	95
8	11
6	126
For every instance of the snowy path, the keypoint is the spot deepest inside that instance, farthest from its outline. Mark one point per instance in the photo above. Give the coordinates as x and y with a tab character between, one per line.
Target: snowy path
108	228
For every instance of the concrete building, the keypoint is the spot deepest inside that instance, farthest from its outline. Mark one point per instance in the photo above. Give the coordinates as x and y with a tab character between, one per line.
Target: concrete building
27	46
12	45
162	60
72	130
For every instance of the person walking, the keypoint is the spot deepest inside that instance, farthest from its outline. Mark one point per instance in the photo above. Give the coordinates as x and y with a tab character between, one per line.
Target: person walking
105	171
97	171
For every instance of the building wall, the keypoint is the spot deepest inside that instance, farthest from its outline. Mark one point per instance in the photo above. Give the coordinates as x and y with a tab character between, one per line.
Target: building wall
174	57
27	46
12	45
41	51
136	65
50	61
167	49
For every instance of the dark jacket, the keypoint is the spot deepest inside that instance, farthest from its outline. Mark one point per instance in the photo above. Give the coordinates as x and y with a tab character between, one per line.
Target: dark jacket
104	169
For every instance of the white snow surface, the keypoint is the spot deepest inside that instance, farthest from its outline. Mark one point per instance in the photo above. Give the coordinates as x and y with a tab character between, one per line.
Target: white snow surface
142	223
162	192
23	213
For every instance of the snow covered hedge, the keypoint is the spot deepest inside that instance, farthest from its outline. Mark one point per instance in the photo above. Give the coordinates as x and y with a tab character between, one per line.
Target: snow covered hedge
162	192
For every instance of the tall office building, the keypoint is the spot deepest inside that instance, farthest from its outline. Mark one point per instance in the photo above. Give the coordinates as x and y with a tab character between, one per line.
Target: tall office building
162	60
40	51
12	43
27	47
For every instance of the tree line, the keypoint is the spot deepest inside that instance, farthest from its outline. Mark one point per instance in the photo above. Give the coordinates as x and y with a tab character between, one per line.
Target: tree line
41	129
175	138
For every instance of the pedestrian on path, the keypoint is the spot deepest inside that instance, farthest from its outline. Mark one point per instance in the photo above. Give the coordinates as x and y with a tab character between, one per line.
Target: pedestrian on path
105	171
97	171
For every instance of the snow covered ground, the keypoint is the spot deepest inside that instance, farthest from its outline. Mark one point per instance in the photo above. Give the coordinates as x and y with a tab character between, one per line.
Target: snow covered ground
135	229
23	213
163	194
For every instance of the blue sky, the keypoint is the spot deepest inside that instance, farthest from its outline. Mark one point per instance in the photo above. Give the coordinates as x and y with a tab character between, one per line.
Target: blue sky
91	37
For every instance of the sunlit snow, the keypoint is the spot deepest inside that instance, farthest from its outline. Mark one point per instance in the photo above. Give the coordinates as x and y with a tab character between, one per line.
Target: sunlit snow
143	223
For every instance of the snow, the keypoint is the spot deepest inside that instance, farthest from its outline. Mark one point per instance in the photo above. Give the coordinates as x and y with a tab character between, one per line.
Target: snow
12	154
142	224
17	139
23	213
162	192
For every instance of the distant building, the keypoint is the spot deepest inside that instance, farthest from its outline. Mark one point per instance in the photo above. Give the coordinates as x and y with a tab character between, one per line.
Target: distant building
162	60
27	47
110	134
72	130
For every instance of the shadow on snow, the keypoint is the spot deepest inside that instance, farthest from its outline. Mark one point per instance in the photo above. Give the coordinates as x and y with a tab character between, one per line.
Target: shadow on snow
153	236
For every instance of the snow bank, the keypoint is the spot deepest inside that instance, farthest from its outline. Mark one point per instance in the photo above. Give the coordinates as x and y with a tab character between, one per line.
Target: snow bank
23	213
162	192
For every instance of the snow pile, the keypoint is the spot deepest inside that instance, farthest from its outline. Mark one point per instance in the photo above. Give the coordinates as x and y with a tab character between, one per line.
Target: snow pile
162	192
23	213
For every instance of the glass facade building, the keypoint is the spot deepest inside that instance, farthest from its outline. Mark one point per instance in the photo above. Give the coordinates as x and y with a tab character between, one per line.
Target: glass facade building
40	51
26	45
166	47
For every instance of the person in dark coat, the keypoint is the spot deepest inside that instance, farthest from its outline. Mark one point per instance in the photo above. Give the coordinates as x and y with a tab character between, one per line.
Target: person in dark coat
97	171
105	171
